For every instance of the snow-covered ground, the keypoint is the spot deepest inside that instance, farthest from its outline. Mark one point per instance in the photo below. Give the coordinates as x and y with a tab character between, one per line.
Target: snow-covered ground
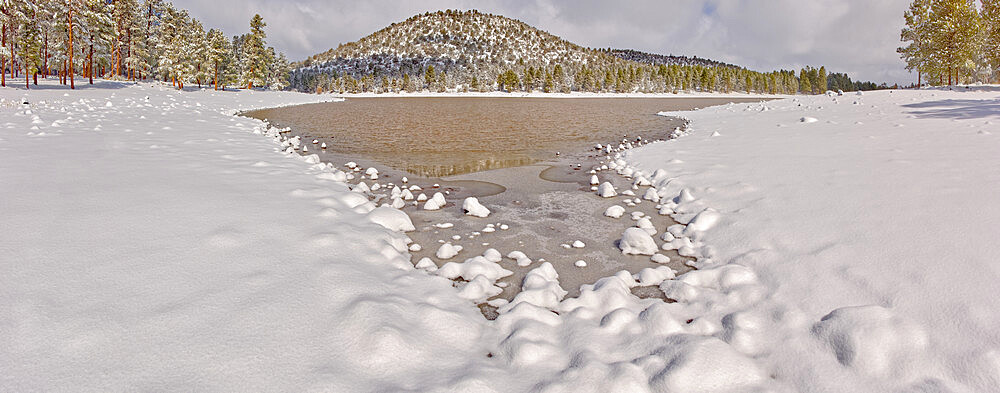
871	223
153	241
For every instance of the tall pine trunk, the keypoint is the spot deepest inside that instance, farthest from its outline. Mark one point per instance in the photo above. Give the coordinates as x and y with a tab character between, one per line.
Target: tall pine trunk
90	61
71	84
3	65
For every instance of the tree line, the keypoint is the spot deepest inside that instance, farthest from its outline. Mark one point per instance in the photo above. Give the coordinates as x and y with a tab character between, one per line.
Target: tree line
441	76
130	40
952	41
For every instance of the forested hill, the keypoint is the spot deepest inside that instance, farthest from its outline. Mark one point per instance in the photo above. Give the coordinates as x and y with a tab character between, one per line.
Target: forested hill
655	59
474	51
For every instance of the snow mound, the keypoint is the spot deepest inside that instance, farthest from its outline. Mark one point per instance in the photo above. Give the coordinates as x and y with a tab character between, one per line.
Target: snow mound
636	241
521	259
703	221
447	251
614	211
472	207
697	364
435	203
478	289
606	190
472	267
391	218
540	288
872	340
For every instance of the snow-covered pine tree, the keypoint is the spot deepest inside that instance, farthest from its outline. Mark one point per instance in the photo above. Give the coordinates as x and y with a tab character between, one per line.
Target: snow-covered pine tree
218	55
100	33
149	25
279	70
6	54
198	51
254	56
28	38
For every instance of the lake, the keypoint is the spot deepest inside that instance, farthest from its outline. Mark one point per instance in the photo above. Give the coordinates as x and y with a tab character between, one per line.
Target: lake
443	136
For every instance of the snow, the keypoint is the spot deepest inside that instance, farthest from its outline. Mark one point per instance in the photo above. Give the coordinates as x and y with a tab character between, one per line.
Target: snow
833	256
636	241
472	207
614	211
436	202
473	267
540	288
606	190
863	236
191	267
391	218
447	251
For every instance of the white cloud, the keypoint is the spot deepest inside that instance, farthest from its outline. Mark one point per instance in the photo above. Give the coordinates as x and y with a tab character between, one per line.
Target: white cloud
854	36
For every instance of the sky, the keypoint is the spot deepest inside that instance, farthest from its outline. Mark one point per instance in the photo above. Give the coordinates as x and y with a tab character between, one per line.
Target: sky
859	37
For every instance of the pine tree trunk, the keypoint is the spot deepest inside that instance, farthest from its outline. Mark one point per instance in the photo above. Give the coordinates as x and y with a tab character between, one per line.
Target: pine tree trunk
90	61
216	78
45	58
71	84
3	65
918	78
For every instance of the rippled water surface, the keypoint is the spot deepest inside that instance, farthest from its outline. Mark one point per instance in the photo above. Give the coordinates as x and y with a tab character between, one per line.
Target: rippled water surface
443	136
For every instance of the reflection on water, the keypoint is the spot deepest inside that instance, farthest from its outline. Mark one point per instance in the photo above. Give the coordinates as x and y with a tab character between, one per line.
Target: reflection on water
441	136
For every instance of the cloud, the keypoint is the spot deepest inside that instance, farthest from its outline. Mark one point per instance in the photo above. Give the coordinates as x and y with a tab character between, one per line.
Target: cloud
854	36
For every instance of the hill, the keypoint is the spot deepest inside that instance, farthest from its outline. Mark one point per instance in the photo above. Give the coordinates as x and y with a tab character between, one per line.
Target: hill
655	59
471	50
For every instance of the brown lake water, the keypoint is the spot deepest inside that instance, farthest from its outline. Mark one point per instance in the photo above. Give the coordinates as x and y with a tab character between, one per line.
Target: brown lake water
443	136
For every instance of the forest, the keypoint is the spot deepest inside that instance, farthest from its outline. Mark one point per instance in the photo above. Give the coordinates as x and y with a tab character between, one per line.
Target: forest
131	40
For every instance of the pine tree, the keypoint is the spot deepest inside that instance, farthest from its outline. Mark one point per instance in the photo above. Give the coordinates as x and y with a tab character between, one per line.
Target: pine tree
991	33
28	38
254	54
278	70
805	87
917	54
218	54
6	27
954	29
429	76
821	81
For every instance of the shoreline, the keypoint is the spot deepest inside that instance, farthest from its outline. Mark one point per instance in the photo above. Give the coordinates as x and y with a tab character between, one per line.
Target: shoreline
537	94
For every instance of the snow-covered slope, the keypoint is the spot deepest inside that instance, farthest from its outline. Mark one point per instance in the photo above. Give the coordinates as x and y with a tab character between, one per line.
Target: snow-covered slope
162	244
469	38
872	222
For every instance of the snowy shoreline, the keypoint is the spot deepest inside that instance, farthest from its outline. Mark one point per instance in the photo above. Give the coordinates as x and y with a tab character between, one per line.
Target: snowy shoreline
537	94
